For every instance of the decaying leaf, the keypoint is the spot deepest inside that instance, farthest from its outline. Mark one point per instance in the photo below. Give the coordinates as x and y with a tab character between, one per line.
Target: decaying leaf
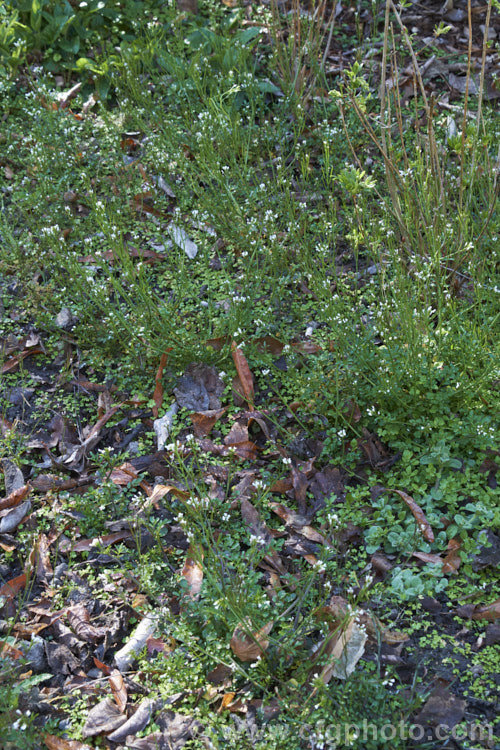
124	474
244	373
40	558
119	689
105	717
193	573
59	743
418	513
181	238
158	391
247	644
343	649
136	723
126	655
452	561
13	363
79	621
160	490
97	542
163	425
488	611
298	523
442	709
203	421
15	497
10	651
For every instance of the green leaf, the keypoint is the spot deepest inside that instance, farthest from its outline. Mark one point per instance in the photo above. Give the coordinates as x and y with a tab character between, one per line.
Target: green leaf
266	87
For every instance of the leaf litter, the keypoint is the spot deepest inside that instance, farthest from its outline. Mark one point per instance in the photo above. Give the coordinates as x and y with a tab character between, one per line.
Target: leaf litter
89	629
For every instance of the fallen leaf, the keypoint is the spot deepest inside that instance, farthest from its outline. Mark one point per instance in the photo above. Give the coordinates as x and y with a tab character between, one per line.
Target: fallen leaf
124	474
203	421
79	621
158	646
441	709
84	545
176	730
59	743
381	563
181	238
105	717
10	651
92	438
247	645
244	374
126	655
306	347
343	648
15	497
193	573
488	612
418	513
227	699
158	391
297	522
163	425
452	561
119	689
136	723
40	559
427	557
160	490
14	362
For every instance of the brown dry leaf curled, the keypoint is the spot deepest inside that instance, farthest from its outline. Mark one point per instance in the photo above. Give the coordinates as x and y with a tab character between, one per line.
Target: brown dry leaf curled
344	648
244	373
193	573
203	421
158	391
119	689
452	561
488	612
59	743
249	645
15	497
418	513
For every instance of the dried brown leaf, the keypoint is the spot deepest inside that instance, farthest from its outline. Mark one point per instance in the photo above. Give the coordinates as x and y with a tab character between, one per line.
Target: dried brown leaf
119	689
244	373
193	573
452	561
79	621
203	421
158	391
13	363
247	644
104	717
418	513
59	743
297	522
84	545
488	612
14	586
15	497
124	474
